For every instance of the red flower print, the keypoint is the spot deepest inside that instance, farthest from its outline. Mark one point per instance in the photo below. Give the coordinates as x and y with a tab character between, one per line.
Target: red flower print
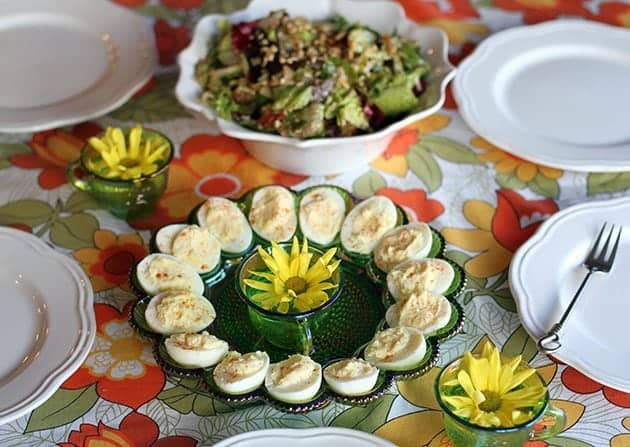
209	166
535	11
121	362
415	203
135	430
130	3
516	218
455	59
52	150
614	13
19	226
423	10
169	41
579	383
182	4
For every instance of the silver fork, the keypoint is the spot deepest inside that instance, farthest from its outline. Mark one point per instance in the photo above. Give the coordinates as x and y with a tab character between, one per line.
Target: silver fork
598	260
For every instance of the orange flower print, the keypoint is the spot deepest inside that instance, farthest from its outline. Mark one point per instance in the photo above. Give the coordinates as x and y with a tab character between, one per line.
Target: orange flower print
52	150
210	166
415	203
499	231
135	430
120	362
506	163
454	20
535	11
614	13
579	383
108	263
394	159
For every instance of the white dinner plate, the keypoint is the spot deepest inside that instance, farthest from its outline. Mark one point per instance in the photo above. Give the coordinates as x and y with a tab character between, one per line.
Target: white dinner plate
69	60
47	321
555	94
313	437
547	270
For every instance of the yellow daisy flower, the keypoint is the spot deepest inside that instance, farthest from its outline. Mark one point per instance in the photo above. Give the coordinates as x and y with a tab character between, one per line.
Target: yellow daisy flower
127	160
292	282
496	392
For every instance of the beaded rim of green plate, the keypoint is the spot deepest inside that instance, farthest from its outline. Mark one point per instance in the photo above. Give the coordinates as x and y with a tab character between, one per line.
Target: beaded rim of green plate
357	265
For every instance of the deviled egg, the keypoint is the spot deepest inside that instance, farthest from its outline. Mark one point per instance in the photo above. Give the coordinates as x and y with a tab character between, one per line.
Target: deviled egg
351	377
397	349
240	374
321	214
196	350
434	275
190	243
159	272
294	380
272	213
226	222
178	311
366	223
426	311
411	241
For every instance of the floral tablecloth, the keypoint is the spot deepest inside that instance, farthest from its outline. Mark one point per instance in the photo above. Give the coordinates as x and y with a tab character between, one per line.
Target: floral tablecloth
485	201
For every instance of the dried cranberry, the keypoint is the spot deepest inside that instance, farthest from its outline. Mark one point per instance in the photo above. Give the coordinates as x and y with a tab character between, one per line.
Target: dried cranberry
243	34
374	115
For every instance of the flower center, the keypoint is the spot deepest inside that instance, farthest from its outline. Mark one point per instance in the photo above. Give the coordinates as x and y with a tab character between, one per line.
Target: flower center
129	162
297	284
492	402
126	349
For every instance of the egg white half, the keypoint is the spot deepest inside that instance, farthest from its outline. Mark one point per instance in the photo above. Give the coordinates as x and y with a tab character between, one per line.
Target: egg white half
366	223
411	241
397	349
434	275
195	356
232	374
351	377
200	310
425	311
159	272
185	242
303	384
225	221
321	214
272	214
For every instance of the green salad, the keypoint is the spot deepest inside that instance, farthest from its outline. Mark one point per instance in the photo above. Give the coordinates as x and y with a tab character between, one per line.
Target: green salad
304	79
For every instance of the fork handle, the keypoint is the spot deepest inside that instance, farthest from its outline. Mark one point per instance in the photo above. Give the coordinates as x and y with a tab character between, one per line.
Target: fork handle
550	342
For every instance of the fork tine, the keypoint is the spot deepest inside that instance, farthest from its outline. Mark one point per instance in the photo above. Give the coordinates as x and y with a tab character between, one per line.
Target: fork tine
614	249
603	253
593	253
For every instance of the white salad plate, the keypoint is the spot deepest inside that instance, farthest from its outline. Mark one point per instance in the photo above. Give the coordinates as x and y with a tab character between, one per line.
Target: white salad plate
555	94
47	321
320	156
545	273
313	437
69	60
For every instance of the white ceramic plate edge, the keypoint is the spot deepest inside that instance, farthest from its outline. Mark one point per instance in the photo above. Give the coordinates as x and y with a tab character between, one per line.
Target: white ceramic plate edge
187	90
467	109
81	350
522	298
297	436
143	74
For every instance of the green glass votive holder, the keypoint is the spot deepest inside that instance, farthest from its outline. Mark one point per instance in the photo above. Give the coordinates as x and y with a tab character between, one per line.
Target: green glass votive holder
546	422
293	332
125	199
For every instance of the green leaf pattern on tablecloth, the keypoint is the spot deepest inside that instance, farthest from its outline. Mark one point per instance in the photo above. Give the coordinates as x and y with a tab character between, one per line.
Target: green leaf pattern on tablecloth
188	396
62	408
75	231
520	343
367	418
157	104
368	184
26	212
80	201
449	150
424	166
607	182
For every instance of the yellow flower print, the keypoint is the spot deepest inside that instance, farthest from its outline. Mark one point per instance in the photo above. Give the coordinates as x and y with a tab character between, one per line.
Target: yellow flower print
458	30
623	439
394	159
505	163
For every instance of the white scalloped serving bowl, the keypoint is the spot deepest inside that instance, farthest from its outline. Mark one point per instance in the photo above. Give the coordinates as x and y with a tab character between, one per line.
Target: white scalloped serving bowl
320	156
